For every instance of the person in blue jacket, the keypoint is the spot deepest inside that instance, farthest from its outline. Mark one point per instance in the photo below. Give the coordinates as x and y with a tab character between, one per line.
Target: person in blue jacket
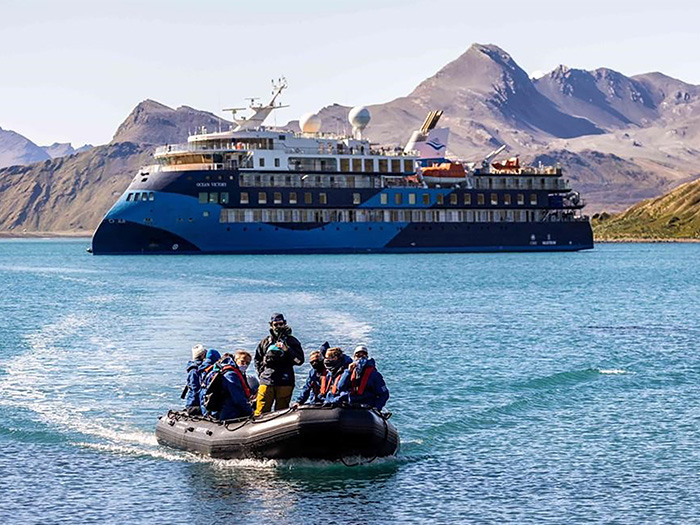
191	392
336	363
236	392
204	370
361	383
310	394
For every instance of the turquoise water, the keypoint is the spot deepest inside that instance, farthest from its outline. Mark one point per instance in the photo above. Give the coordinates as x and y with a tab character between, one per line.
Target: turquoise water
527	388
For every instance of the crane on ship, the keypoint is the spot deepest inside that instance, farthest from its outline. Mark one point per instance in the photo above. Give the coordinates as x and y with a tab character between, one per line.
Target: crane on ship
260	111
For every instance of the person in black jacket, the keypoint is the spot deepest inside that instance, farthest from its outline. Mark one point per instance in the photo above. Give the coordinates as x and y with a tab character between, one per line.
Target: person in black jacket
275	359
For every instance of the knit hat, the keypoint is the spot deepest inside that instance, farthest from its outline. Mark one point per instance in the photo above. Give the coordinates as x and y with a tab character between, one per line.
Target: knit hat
361	348
198	351
213	355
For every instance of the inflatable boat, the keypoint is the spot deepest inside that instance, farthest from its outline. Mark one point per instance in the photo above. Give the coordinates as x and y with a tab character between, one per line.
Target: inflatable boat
314	432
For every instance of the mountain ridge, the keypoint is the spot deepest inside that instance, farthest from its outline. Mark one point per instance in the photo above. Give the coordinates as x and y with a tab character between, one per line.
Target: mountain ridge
619	139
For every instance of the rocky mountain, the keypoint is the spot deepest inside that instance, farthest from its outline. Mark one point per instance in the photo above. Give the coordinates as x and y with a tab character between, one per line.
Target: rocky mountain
154	123
67	194
675	215
620	139
71	193
61	149
16	149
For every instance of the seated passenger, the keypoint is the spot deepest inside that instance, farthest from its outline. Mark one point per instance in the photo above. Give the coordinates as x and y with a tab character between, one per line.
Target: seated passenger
362	384
191	392
227	384
243	359
310	394
204	370
324	348
336	364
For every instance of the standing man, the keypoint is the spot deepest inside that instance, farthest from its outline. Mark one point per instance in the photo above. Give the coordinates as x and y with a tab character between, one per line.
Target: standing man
275	359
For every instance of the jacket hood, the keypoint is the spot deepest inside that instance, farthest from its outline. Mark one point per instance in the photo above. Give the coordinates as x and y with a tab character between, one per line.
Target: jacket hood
194	363
283	332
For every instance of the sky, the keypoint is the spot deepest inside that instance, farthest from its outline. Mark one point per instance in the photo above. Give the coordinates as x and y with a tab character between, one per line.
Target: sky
71	71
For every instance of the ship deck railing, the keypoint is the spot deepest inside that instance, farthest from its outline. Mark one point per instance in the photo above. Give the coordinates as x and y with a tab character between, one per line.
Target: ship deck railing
170	149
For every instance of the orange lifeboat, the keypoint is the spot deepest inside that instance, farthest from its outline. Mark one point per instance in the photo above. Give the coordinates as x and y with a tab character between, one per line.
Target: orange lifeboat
445	173
512	165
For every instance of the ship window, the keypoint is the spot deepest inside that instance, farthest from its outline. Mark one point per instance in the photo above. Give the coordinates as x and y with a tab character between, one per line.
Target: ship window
277	163
262	197
408	166
128	197
224	198
521	199
398	199
203	197
383	198
411	198
426	199
151	196
383	165
506	199
480	199
345	165
396	165
244	197
144	196
467	199
205	214
494	199
533	199
292	197
277	198
369	165
261	162
356	164
453	199
213	198
356	198
308	198
440	199
322	199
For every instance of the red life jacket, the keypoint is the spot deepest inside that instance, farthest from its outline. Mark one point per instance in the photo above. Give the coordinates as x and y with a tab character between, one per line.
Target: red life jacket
326	384
359	384
241	377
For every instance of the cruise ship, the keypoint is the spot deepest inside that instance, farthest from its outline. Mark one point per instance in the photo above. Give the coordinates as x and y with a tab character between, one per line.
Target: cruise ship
259	190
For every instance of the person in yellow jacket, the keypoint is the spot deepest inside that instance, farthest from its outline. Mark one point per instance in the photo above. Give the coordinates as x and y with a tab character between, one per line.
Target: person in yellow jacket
275	359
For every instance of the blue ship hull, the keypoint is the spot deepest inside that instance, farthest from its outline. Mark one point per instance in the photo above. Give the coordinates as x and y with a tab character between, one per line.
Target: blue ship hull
175	222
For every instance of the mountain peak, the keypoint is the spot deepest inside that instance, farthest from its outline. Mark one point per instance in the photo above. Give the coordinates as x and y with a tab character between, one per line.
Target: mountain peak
155	123
16	149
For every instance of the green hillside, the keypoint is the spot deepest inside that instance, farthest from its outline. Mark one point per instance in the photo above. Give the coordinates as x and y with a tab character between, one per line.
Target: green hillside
673	216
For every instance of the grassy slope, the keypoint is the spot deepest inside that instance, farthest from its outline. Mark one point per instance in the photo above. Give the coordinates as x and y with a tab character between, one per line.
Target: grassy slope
675	215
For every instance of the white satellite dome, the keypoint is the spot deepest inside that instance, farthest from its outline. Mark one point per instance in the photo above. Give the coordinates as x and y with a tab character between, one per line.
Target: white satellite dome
310	123
359	117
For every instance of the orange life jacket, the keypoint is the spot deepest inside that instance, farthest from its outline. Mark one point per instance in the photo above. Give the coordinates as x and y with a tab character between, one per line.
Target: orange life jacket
326	384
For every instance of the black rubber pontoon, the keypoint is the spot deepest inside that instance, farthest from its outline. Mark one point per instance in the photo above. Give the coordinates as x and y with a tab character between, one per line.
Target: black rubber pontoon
306	432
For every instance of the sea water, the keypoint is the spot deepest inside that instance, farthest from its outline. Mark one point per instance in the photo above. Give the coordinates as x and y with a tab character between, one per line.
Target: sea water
527	388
